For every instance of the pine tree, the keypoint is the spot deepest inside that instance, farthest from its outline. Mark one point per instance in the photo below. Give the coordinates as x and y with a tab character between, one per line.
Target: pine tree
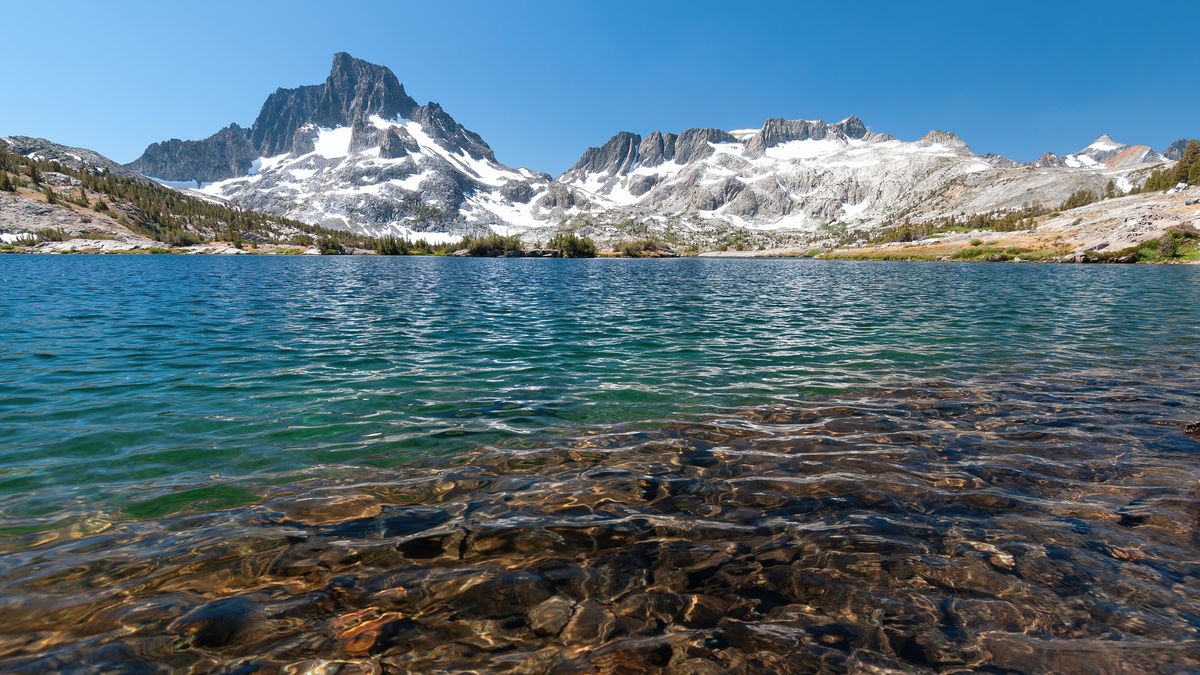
35	175
83	200
6	184
1191	158
1110	190
51	198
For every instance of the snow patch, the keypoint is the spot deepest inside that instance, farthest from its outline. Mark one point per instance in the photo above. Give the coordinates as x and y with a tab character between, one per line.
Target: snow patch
333	143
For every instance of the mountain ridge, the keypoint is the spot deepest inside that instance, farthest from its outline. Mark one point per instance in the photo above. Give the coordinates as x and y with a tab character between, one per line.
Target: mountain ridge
358	153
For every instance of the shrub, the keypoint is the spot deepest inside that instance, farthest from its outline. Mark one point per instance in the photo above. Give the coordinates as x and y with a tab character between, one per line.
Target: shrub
51	234
642	248
570	245
301	240
976	242
174	236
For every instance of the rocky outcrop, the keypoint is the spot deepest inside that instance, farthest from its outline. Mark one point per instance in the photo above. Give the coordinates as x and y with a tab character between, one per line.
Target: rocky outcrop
1049	159
777	131
74	158
442	127
225	154
281	115
682	148
396	143
1174	151
945	139
617	156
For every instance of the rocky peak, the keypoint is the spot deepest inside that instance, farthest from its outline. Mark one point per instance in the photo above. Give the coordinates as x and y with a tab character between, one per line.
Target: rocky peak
852	127
281	115
777	131
440	125
617	156
946	138
688	146
1049	159
1105	142
356	89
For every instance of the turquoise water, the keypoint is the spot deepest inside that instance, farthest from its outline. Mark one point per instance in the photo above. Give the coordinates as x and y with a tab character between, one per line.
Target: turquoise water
366	464
127	379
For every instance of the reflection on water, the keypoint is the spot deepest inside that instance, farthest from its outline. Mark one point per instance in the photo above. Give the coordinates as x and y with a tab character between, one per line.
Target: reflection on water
1045	524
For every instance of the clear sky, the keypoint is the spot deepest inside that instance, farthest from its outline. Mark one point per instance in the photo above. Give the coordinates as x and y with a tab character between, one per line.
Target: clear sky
541	81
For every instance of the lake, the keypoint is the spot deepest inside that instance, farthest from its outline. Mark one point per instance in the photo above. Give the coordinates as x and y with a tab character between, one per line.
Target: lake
694	465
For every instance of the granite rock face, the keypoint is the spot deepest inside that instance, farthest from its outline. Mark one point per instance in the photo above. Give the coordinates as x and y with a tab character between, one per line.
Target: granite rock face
225	154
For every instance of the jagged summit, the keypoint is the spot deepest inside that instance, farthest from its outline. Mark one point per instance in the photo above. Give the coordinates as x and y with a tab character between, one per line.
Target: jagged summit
354	91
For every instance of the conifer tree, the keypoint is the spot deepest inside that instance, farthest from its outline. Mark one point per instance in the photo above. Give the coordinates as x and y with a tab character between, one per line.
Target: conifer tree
6	184
51	198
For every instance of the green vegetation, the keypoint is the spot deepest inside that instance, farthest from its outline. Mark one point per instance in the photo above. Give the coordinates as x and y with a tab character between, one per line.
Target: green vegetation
492	245
51	234
644	248
988	253
1179	243
175	236
51	197
402	246
6	183
330	246
1080	198
570	245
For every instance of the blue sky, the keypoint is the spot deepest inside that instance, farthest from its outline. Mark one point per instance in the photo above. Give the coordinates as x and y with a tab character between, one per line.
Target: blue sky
541	81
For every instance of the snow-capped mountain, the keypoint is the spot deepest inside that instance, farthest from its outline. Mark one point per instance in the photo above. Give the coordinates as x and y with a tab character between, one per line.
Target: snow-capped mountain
358	153
796	174
1103	153
355	153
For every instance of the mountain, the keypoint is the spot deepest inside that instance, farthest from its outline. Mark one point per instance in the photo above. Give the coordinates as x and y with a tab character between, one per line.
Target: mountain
355	153
358	153
805	175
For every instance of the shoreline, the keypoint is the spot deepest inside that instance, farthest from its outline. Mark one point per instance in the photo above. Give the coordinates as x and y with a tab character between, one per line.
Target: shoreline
838	255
